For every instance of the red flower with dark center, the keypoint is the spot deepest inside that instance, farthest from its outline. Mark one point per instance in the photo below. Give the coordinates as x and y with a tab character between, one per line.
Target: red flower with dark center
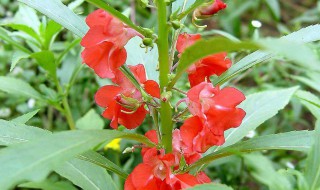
124	103
200	71
104	43
217	107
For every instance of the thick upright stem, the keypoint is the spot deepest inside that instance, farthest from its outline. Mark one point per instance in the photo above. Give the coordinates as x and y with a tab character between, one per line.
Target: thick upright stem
164	66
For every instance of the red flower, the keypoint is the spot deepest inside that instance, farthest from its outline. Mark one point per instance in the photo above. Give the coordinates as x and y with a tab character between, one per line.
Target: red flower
197	136
155	173
200	71
124	103
104	43
216	107
209	10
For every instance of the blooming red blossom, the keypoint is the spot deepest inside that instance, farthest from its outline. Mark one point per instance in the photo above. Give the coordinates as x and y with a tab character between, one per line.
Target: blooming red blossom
200	71
197	136
156	173
124	103
218	107
104	43
209	10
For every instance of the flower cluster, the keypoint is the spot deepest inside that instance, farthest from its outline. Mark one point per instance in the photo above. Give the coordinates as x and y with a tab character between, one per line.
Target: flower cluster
212	110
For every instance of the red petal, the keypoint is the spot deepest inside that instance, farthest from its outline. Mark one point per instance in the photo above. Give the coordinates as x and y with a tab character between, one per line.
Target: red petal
203	178
185	40
105	95
152	136
190	129
139	72
98	17
142	175
152	88
131	121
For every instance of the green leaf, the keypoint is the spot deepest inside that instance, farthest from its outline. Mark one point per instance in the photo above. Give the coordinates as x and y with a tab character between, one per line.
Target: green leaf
91	120
259	107
52	30
312	171
211	186
101	161
311	101
28	17
26	29
4	35
309	82
261	168
18	87
305	35
47	61
274	6
215	45
294	51
49	185
61	14
12	133
296	140
44	154
26	117
86	175
16	57
137	55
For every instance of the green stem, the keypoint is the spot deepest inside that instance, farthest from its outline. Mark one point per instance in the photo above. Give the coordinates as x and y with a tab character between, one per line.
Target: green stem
164	67
65	103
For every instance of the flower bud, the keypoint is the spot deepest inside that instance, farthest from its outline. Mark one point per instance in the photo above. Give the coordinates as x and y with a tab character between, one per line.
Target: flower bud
208	10
165	96
147	42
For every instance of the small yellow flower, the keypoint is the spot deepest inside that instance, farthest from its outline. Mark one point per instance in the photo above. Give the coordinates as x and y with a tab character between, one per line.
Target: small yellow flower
115	145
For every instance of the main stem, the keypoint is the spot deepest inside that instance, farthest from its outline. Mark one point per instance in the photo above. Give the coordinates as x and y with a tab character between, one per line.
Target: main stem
164	66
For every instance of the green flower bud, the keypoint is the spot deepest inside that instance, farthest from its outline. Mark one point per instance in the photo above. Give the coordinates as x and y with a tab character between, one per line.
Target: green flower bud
147	42
176	24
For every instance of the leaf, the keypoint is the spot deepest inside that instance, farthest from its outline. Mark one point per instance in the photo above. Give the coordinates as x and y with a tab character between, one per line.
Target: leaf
259	107
214	45
52	30
101	161
275	8
149	59
44	154
86	175
18	87
296	140
312	171
26	117
28	17
309	82
61	14
294	51
13	133
210	186
16	57
311	101
261	168
304	35
4	35
46	60
26	29
49	185
91	120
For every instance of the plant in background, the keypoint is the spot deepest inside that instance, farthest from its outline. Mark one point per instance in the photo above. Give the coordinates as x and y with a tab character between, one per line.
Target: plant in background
191	125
